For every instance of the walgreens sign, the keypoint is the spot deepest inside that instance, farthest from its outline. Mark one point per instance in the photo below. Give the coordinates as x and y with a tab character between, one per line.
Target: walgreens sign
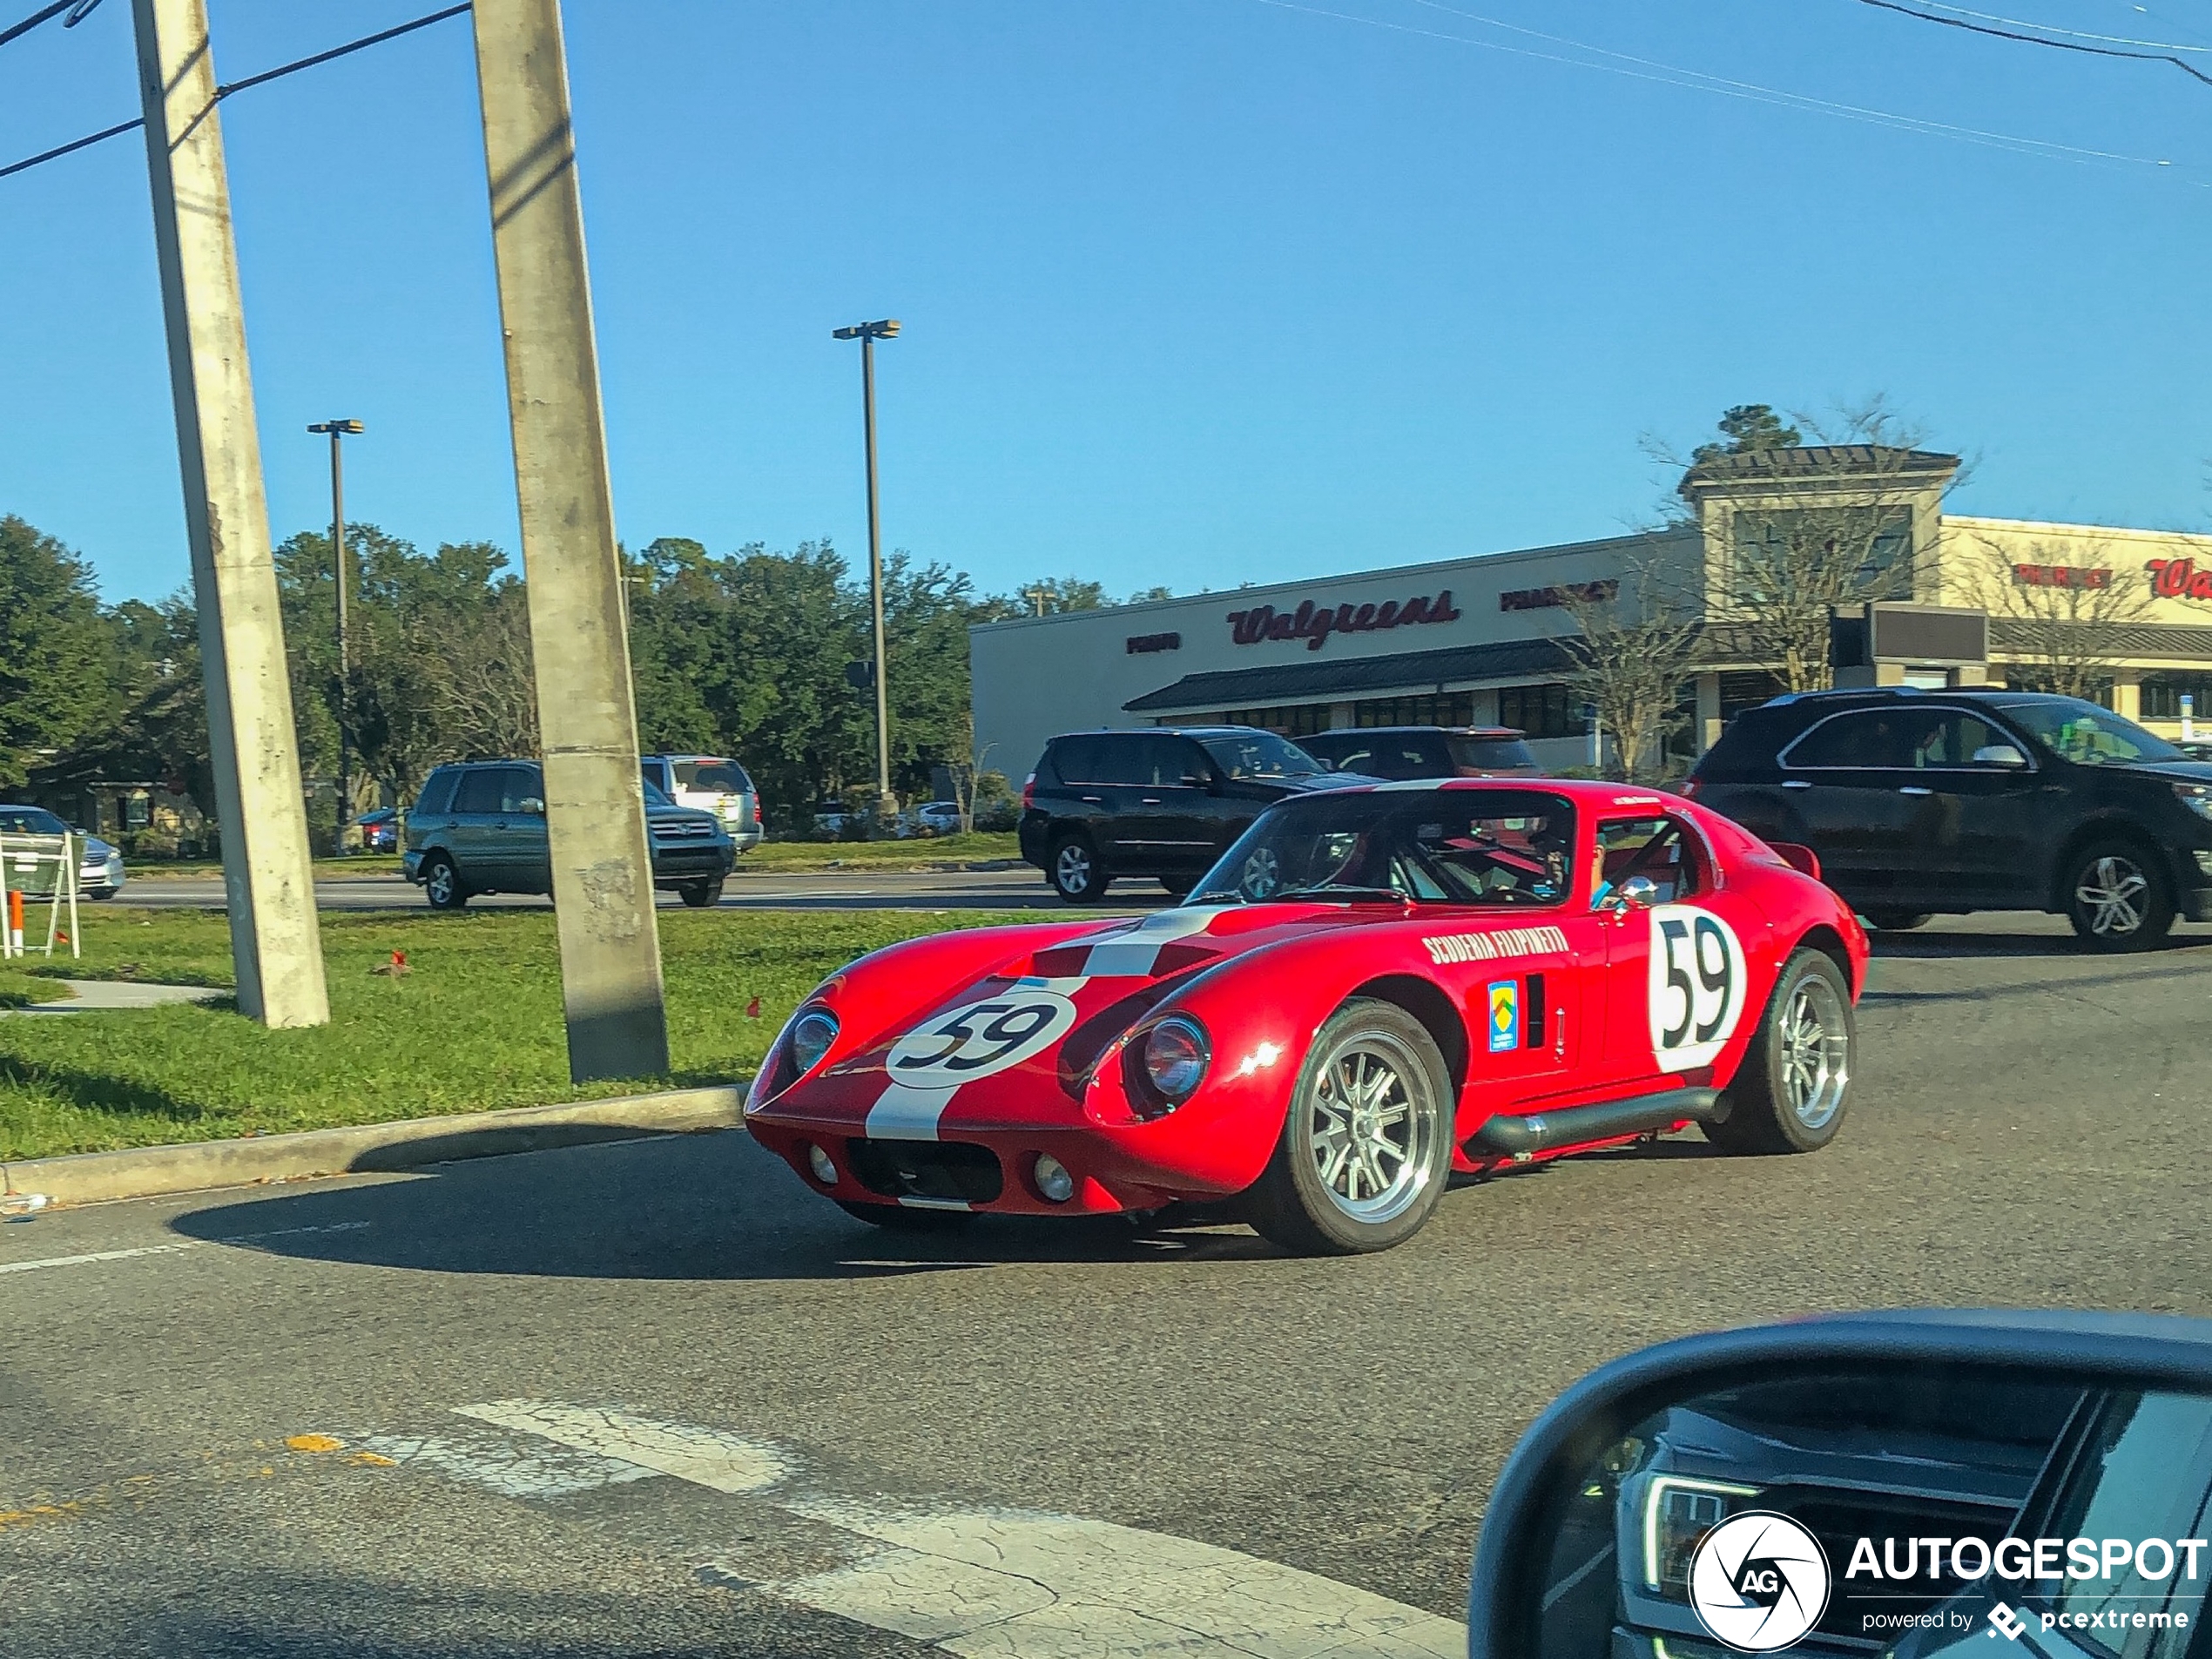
1314	623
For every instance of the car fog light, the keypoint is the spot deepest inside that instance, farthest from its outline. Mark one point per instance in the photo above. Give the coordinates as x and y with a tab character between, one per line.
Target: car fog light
825	1170
1053	1179
1175	1057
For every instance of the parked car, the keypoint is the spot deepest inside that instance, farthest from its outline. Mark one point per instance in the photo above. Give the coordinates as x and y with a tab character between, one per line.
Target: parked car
712	784
932	817
1164	802
99	874
1425	751
1945	802
479	826
380	830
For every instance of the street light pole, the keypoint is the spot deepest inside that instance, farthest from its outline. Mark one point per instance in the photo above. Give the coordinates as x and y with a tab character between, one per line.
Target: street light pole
867	333
339	429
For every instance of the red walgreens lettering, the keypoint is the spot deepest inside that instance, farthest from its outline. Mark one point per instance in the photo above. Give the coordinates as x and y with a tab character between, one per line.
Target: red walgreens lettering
1314	623
2180	579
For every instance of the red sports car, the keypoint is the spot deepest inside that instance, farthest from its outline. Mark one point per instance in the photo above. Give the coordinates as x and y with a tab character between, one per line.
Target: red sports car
1375	988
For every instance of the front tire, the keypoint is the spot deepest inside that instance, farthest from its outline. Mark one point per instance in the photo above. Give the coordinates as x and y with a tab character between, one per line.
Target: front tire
2116	897
1898	921
701	896
1367	1147
101	895
898	1219
1789	1092
1075	872
1178	885
441	883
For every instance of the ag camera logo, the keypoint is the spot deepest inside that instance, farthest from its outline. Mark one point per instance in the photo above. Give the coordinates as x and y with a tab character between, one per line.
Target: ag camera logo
1759	1582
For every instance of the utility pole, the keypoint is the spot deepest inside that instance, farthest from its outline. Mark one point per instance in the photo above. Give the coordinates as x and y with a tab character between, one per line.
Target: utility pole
867	333
594	808
267	880
339	572
1037	596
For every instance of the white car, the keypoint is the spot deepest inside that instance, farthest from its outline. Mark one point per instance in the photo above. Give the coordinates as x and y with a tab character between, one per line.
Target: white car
712	783
99	876
933	817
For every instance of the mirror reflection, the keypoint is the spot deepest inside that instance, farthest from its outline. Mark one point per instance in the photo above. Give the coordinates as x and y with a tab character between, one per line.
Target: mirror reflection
1897	1514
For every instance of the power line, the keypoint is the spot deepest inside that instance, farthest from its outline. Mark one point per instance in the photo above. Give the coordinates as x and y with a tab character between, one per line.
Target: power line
2041	40
2052	28
1698	80
223	91
79	10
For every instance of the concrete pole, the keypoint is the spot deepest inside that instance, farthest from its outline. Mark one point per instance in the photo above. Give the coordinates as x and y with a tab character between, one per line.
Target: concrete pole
887	805
268	879
345	656
603	890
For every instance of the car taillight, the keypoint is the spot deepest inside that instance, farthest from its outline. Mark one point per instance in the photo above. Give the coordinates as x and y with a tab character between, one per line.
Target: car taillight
1029	791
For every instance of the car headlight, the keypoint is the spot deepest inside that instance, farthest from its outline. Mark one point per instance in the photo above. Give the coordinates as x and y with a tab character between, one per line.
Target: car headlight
1176	1057
2195	797
812	1033
1677	1514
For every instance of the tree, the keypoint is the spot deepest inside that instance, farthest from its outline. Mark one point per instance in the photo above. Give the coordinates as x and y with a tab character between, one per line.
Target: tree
1747	428
2058	608
1630	661
1049	596
57	652
1796	533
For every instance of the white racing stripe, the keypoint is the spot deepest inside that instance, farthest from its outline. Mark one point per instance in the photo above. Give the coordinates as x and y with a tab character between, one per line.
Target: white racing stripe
904	1114
1132	954
1007	1584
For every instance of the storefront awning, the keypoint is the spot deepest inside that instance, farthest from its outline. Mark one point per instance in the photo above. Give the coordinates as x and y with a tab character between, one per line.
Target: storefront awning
1408	672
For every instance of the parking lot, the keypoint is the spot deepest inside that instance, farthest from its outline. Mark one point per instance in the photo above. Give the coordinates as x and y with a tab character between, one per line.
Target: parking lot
654	1398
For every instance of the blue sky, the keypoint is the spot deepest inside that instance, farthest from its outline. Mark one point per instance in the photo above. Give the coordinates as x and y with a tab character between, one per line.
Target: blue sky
1195	291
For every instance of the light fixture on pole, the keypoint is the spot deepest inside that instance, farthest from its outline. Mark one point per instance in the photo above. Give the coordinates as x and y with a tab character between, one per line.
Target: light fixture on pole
867	333
338	430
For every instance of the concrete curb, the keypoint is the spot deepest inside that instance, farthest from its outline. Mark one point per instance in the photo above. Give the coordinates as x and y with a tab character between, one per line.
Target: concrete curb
148	1171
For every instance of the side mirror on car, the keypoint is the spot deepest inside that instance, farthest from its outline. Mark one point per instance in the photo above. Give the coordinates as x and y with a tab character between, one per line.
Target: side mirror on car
533	806
1906	1483
1999	754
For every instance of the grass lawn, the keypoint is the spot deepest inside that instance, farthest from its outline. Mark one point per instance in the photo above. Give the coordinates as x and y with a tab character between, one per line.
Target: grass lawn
475	1023
19	990
769	858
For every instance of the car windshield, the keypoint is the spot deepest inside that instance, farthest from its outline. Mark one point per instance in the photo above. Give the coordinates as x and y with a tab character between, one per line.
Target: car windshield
1249	755
1462	846
2083	732
655	795
30	821
724	775
1492	754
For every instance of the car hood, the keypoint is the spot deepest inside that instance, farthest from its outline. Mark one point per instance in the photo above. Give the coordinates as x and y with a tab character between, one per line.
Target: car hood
95	848
680	815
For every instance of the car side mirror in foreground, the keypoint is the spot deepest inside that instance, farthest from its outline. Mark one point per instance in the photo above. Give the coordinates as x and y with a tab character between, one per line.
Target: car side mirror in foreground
1910	1484
532	806
1999	754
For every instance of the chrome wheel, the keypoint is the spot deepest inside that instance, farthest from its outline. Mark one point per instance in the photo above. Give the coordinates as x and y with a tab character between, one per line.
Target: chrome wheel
1071	870
439	883
2113	895
1814	1038
1263	874
1374	1127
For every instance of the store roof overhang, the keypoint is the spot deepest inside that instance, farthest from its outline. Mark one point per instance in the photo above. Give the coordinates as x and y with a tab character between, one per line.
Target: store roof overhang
1405	672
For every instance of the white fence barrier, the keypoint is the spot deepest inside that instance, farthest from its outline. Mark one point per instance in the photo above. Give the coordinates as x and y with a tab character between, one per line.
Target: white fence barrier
38	878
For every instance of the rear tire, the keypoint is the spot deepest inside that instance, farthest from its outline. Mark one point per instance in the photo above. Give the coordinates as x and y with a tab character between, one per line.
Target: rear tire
2117	898
1178	886
898	1219
1367	1147
441	883
1075	871
1789	1094
701	896
1898	921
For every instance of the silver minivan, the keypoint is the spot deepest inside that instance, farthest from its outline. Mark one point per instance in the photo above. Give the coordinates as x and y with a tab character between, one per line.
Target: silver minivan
712	783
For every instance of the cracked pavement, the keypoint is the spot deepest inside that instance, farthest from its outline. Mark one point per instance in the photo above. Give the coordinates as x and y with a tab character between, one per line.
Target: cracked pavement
490	1349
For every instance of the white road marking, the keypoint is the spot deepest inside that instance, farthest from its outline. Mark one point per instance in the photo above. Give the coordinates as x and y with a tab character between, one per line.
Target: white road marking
528	1470
1006	1584
705	1457
170	1248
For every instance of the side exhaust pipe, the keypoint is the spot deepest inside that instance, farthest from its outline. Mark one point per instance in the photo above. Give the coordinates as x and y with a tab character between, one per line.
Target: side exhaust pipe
1509	1135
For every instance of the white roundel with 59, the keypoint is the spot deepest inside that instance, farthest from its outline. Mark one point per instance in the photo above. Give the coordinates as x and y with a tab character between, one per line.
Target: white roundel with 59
979	1039
1697	986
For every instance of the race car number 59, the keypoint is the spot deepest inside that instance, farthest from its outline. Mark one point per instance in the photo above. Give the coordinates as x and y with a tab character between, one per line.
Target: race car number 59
980	1039
1696	986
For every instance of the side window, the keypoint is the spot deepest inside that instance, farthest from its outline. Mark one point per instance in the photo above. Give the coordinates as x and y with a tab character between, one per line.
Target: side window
479	791
437	794
1174	759
1078	760
519	784
1429	753
1661	850
1124	758
1954	738
1869	737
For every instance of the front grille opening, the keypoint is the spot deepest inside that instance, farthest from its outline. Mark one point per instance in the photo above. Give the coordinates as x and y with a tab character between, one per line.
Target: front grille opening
944	1169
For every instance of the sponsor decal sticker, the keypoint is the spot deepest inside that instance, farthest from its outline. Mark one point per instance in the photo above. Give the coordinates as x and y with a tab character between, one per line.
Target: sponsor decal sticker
2139	1581
1494	944
1759	1582
1504	1014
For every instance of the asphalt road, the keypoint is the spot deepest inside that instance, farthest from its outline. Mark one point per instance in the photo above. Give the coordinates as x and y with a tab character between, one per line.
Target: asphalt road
1018	889
496	1357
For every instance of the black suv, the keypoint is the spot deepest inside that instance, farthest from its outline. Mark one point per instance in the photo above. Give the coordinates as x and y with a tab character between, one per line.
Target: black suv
1921	802
1165	802
1425	751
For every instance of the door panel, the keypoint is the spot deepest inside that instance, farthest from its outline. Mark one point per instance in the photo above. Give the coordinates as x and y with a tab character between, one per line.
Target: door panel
1843	779
1165	822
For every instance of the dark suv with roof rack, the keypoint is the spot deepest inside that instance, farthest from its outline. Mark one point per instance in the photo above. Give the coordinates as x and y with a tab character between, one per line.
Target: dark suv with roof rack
1921	803
1164	802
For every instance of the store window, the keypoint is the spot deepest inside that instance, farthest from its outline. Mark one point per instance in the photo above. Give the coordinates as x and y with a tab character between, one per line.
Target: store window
1540	711
1297	720
2163	693
1771	543
1443	708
